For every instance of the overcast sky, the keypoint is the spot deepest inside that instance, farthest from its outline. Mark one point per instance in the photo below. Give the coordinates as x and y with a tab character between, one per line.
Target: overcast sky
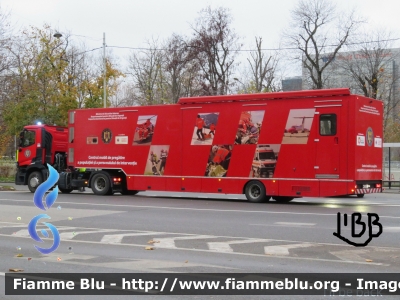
129	23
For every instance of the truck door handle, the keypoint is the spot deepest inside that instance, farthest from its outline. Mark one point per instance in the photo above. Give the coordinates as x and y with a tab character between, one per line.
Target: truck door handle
336	140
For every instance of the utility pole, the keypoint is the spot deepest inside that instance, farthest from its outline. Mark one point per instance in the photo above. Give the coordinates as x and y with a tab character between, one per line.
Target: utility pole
105	69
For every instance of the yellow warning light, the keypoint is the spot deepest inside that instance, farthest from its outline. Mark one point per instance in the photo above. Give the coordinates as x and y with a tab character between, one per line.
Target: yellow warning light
183	178
219	179
273	181
352	190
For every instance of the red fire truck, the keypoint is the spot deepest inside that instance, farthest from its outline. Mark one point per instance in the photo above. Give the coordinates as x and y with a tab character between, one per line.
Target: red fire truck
194	147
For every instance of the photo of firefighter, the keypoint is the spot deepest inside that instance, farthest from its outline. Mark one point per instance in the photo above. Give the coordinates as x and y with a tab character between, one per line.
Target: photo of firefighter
218	161
144	130
157	160
249	127
205	128
264	161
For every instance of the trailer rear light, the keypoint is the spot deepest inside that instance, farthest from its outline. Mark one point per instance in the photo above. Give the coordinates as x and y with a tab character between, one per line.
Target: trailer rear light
115	179
378	185
352	190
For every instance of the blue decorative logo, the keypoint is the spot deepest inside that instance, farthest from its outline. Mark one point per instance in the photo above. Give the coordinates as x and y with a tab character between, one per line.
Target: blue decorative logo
38	201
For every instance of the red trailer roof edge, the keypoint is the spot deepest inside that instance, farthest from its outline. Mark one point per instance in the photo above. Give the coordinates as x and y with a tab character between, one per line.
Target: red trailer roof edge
265	96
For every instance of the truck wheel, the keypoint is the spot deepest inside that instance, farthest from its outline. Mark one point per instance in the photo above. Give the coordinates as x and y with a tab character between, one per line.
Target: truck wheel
34	180
100	184
65	191
360	195
255	192
282	199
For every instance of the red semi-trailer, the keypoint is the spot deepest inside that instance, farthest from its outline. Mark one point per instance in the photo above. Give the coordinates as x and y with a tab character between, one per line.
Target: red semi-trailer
217	144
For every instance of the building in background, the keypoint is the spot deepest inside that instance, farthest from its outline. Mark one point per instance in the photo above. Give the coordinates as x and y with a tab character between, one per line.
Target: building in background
292	83
385	63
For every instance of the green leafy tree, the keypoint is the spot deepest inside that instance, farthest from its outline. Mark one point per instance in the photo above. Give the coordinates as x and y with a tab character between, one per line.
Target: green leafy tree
51	78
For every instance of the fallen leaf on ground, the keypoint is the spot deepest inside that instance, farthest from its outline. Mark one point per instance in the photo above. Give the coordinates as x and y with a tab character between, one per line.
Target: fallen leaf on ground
152	242
149	248
15	270
19	255
369	260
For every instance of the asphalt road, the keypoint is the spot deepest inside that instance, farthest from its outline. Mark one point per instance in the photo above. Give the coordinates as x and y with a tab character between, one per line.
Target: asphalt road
188	234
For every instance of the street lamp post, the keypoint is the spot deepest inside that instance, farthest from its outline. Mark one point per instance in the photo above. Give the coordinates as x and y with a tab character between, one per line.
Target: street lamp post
58	35
105	70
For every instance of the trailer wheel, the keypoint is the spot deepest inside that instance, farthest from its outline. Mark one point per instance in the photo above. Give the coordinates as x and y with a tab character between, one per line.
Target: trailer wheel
34	180
65	191
255	192
282	199
360	195
100	184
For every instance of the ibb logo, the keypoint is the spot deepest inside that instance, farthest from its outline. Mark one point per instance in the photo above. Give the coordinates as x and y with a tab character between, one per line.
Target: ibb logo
38	201
373	220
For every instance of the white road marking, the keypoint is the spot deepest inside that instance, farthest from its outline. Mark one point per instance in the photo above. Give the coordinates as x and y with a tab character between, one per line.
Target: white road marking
350	255
391	229
225	246
284	249
294	224
195	209
241	253
69	235
117	238
72	234
170	242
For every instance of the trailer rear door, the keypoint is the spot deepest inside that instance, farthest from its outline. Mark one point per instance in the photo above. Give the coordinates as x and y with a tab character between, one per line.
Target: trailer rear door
327	141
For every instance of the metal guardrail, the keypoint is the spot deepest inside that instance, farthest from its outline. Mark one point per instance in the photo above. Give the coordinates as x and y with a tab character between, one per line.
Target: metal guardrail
391	183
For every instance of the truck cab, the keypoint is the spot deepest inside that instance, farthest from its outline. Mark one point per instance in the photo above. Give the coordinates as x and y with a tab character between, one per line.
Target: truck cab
38	146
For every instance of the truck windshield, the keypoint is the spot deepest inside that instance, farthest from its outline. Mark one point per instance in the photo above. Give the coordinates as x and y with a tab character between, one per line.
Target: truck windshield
27	138
266	155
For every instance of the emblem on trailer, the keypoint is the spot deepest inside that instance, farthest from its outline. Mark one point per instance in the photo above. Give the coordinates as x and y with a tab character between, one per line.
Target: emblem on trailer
106	136
370	136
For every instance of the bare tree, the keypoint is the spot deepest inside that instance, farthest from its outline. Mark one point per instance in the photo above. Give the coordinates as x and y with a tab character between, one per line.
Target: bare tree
373	69
184	73
146	68
262	69
214	47
318	28
176	60
125	95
